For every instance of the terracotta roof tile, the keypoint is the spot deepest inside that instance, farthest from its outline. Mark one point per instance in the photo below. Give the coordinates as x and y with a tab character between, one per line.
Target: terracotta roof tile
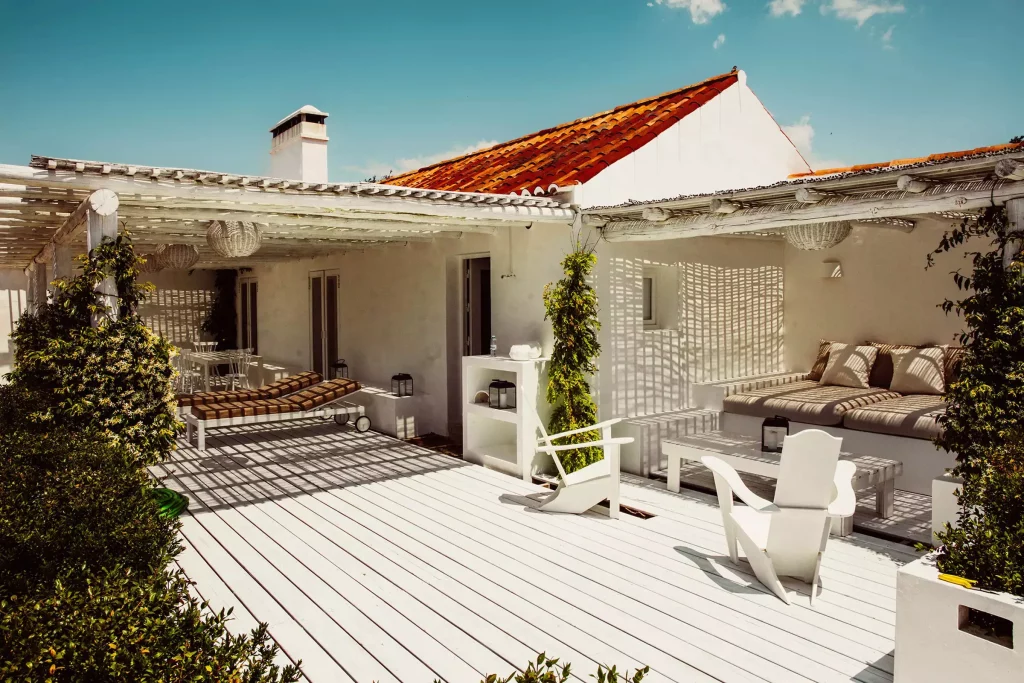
897	163
571	153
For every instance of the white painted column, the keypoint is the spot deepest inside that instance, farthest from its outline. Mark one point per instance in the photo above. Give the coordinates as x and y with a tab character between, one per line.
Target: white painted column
62	263
101	223
1015	216
36	292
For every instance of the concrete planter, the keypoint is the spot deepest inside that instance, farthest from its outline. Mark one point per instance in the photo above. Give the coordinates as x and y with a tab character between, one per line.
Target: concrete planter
936	635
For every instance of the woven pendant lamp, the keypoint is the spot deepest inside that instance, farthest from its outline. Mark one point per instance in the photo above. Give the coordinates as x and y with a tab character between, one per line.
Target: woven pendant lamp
817	236
151	263
234	239
178	256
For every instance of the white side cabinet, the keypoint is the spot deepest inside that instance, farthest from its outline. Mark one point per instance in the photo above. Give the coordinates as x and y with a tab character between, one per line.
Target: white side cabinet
503	439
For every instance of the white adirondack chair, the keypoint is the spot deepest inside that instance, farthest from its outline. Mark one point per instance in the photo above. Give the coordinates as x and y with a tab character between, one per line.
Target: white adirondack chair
788	537
585	488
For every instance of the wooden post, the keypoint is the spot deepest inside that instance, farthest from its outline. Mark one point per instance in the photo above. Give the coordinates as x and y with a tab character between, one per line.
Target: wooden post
100	223
1015	216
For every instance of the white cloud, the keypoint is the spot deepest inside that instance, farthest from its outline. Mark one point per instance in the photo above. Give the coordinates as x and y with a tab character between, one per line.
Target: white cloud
780	8
861	10
887	38
719	41
701	11
381	169
801	134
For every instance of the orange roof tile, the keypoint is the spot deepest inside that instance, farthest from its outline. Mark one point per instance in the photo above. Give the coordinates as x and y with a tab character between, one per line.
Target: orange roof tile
898	163
571	153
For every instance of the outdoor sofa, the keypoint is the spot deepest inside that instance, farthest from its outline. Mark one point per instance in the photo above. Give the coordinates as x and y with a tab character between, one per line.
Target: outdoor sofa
875	407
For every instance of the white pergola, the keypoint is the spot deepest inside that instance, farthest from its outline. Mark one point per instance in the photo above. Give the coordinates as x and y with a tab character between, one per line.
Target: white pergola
892	196
55	208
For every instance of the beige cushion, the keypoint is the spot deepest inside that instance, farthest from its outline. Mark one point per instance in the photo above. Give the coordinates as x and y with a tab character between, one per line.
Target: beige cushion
914	416
807	402
820	361
918	371
849	366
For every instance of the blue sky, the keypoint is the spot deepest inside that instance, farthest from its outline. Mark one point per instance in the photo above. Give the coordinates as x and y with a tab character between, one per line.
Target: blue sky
407	83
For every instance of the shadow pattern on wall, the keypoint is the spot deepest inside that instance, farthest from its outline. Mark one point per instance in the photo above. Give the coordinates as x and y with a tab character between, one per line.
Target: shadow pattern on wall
177	314
727	323
14	302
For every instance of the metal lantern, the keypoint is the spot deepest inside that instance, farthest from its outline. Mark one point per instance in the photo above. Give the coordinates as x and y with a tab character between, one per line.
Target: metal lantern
501	395
339	369
401	384
773	433
817	236
234	239
177	256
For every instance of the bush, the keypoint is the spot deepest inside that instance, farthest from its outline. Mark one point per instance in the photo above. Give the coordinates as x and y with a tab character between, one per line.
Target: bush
571	306
116	624
115	378
547	670
985	407
68	499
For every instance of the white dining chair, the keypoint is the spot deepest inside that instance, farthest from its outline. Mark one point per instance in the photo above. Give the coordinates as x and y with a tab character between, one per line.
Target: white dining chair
238	369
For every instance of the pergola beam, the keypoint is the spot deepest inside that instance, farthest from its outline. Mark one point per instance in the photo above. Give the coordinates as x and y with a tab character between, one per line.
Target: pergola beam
953	197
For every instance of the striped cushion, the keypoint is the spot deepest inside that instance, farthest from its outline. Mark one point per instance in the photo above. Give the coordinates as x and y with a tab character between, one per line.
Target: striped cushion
820	361
881	371
281	387
307	399
954	358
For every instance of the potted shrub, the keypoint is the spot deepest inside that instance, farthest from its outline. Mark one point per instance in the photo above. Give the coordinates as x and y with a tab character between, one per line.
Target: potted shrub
960	610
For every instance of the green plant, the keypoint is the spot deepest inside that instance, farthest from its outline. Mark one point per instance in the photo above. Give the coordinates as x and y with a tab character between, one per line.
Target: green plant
115	376
222	320
547	670
571	306
115	624
985	404
68	499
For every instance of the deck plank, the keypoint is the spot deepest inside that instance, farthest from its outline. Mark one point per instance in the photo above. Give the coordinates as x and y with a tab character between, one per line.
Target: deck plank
373	559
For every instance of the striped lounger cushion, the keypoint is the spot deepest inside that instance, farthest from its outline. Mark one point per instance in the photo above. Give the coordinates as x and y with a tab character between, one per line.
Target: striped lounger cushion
307	399
276	389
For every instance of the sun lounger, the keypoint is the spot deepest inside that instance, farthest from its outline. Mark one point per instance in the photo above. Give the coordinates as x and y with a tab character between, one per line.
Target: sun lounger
278	389
323	400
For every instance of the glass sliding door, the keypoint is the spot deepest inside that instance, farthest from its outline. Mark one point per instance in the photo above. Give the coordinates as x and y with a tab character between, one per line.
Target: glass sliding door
323	318
248	337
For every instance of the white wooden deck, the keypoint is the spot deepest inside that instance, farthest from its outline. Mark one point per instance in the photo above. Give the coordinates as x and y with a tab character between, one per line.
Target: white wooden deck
375	560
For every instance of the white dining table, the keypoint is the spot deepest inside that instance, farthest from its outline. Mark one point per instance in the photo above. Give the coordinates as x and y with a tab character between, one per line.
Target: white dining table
208	359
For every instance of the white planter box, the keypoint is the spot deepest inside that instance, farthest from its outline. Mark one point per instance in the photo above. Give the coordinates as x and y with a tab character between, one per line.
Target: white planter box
934	641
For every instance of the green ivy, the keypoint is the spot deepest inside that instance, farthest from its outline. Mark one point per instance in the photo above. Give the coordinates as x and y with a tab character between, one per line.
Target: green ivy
116	375
571	306
985	405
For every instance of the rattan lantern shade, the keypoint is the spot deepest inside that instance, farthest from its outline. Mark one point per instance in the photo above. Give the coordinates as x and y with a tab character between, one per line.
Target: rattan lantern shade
817	236
234	239
151	263
178	256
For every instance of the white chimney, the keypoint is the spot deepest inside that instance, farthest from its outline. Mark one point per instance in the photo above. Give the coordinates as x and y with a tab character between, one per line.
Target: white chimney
298	149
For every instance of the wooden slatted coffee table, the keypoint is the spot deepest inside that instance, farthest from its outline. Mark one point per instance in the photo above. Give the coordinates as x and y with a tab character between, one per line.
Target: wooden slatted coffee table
745	455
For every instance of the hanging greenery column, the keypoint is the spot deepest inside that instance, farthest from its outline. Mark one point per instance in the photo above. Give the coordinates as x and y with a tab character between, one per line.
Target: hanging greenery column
571	306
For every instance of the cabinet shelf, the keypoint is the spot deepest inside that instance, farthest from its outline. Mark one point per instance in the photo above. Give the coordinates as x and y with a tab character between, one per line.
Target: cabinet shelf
484	410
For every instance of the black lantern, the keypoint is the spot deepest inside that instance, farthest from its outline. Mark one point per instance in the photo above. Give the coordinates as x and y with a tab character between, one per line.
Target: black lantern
339	369
773	432
401	384
501	395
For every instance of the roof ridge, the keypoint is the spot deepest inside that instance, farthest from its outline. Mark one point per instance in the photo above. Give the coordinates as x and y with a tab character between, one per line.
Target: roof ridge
910	161
734	73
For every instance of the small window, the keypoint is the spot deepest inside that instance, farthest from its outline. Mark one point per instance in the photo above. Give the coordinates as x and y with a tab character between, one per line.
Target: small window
649	305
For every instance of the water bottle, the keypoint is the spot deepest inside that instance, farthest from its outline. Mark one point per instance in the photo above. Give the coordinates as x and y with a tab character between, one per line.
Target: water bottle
494	346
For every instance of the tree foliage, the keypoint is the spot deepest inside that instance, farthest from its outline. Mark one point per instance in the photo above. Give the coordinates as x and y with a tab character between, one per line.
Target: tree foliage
985	405
115	376
571	306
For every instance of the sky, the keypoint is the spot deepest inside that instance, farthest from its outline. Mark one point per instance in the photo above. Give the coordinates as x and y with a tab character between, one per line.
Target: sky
407	83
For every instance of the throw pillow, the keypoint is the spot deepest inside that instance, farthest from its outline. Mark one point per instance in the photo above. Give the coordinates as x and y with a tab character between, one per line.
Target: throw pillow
919	371
881	371
820	361
849	365
951	366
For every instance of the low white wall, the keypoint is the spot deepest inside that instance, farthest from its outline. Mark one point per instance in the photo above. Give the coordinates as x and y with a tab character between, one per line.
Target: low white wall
885	293
13	292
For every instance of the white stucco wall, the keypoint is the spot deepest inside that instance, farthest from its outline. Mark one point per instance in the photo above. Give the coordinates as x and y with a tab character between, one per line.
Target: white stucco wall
719	314
731	142
885	293
13	292
180	304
